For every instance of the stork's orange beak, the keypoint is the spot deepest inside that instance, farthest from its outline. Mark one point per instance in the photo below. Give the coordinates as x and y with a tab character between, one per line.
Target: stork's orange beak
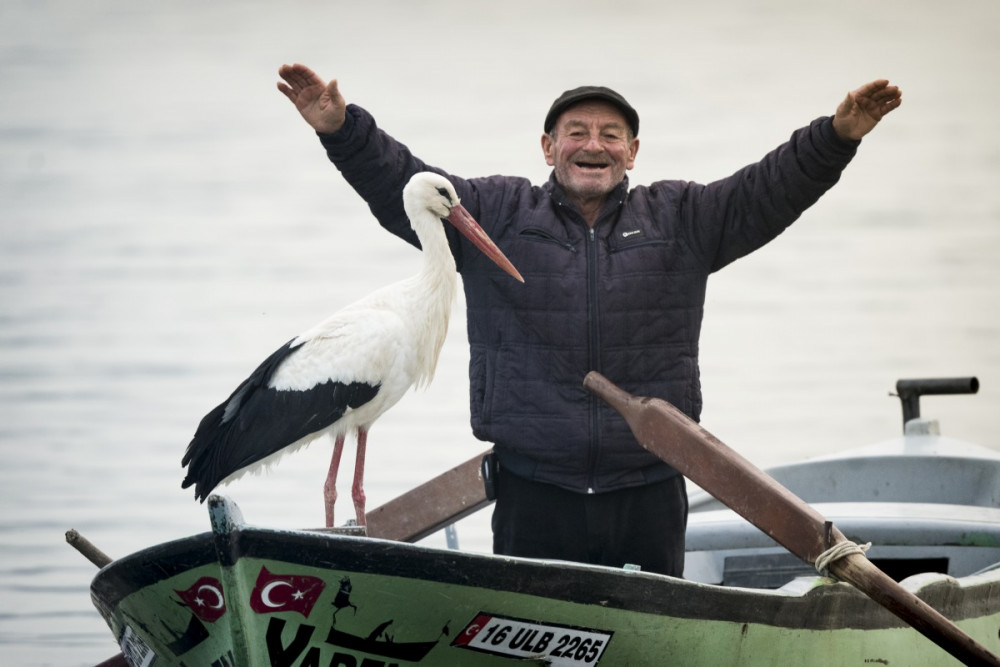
466	224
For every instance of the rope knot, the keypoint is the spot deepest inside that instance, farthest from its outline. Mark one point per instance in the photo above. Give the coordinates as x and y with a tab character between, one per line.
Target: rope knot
838	551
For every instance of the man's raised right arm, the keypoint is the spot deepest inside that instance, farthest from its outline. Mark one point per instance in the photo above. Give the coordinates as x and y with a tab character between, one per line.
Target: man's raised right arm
376	165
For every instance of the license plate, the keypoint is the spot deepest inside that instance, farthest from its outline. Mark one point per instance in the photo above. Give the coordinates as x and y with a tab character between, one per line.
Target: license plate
560	645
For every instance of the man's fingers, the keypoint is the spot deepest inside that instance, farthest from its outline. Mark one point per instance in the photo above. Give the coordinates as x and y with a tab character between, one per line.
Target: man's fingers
872	87
299	77
891	104
887	93
333	90
878	91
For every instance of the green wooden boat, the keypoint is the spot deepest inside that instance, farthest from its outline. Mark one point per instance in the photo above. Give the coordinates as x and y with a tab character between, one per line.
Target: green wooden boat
251	596
242	595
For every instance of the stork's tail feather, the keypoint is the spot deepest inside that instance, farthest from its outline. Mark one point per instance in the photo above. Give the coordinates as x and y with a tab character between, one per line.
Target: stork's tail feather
258	421
201	490
198	457
205	457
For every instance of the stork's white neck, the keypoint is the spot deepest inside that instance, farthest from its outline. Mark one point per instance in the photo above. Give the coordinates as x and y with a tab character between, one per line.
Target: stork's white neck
433	291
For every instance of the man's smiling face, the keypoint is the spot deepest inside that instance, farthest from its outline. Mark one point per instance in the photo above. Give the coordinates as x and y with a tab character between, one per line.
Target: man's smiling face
590	148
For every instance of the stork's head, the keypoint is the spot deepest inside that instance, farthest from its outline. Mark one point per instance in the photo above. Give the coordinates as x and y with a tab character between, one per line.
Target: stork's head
434	194
430	191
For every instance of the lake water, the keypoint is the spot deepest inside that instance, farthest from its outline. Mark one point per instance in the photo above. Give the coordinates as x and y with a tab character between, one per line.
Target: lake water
167	220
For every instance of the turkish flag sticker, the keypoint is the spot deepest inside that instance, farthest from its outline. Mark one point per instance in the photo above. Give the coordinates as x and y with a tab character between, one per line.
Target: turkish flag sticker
285	592
205	599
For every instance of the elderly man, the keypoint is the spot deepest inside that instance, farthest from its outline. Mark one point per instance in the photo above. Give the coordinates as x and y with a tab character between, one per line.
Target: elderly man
615	280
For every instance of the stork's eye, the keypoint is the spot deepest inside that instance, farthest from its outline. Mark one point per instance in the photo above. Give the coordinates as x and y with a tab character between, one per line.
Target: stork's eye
444	193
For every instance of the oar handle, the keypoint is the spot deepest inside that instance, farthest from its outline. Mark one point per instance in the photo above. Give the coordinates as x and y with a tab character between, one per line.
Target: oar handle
704	459
100	559
87	548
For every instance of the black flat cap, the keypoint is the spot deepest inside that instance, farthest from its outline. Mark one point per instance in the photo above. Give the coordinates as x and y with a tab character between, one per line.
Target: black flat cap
571	97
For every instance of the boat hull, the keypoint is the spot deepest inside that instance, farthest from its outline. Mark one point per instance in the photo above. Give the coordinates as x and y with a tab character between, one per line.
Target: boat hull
249	596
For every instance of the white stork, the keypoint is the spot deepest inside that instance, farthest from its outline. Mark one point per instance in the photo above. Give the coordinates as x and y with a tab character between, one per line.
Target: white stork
342	374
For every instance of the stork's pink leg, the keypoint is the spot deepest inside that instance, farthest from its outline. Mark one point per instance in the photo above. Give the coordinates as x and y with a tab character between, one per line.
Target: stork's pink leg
358	490
330	488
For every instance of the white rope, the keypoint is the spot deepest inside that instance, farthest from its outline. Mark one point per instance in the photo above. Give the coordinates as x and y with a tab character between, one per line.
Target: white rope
838	551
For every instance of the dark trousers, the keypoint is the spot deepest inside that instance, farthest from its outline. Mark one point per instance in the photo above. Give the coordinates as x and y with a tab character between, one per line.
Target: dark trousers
641	526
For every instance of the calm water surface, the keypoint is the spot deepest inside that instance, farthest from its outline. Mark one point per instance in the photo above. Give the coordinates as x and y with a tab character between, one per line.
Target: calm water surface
166	221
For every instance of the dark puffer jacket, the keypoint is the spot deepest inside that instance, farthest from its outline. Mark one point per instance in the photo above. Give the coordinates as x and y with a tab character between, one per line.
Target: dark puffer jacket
624	298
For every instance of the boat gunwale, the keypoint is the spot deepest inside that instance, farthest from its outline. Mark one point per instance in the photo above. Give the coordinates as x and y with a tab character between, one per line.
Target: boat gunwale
816	604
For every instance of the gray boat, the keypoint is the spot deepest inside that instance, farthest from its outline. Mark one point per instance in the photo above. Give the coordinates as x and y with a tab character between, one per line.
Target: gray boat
927	503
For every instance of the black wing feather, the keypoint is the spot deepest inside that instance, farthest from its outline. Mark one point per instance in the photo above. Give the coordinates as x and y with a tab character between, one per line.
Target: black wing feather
257	421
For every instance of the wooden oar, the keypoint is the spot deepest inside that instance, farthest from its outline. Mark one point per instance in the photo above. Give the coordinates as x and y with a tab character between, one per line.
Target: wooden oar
100	559
437	503
753	494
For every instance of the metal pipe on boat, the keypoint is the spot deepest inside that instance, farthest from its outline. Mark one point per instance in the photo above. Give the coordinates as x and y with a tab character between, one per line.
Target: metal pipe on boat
910	391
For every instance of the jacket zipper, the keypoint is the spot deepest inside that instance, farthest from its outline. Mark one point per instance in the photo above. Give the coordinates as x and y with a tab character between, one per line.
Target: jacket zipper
594	354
